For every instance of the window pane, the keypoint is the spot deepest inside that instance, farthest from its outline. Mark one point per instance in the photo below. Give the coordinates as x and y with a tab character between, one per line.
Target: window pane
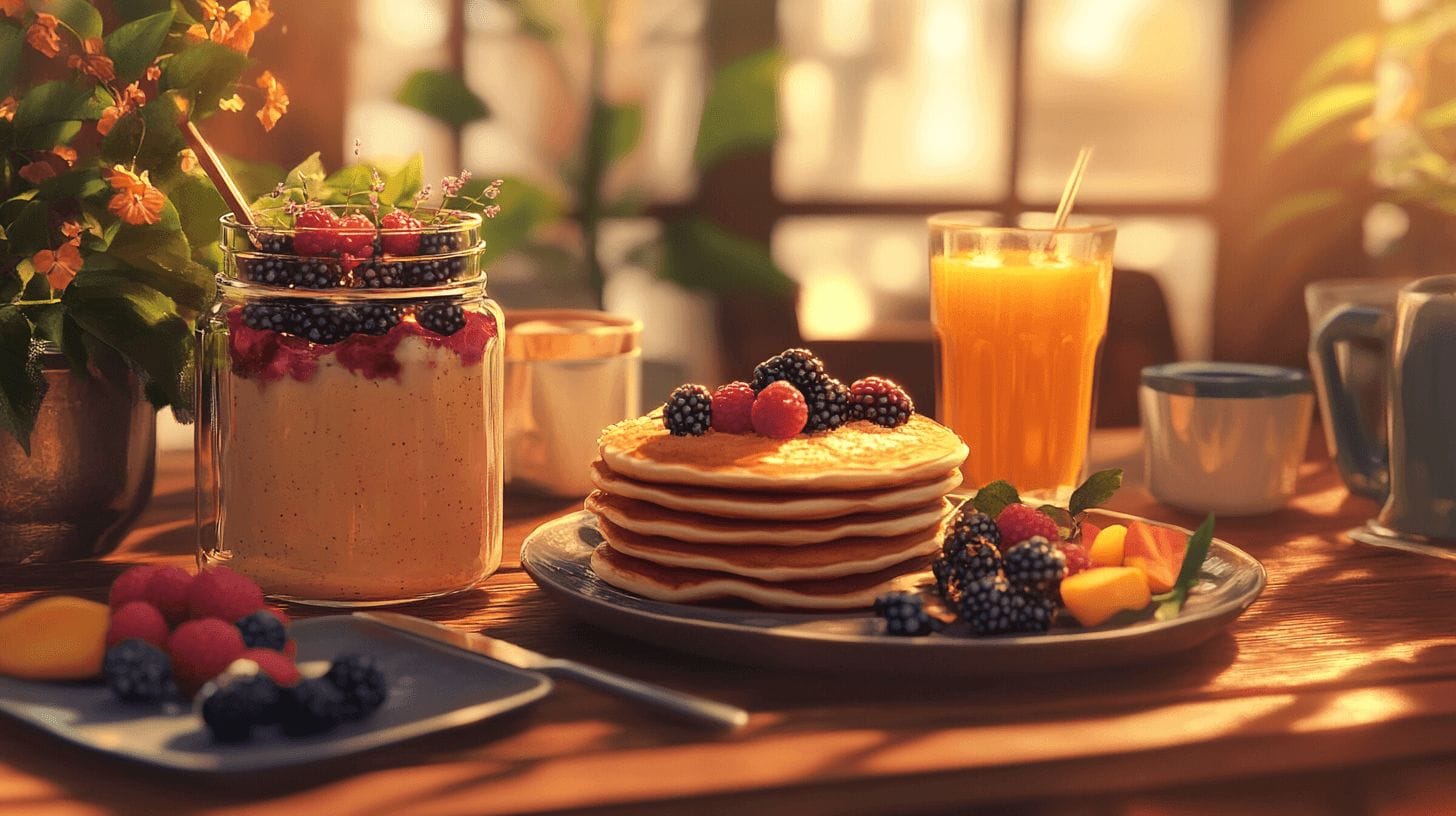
1139	80
1181	254
894	99
395	40
860	276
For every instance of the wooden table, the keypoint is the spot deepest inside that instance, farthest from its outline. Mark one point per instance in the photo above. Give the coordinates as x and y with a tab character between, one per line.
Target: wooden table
1335	693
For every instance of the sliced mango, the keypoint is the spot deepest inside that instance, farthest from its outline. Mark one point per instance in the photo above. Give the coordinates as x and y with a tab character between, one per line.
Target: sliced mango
1107	547
1095	595
1157	551
56	638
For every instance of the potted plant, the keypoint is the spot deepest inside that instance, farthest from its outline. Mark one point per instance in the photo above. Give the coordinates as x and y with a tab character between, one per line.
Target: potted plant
108	247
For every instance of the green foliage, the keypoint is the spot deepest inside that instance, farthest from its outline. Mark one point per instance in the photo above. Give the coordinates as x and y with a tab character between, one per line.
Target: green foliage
698	254
1171	603
401	185
22	386
149	134
1356	52
1096	491
139	323
79	15
994	497
205	74
12	45
741	111
442	95
524	208
1321	109
133	46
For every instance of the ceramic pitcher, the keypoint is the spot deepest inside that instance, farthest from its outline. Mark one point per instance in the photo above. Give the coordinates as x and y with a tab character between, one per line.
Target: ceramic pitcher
1415	473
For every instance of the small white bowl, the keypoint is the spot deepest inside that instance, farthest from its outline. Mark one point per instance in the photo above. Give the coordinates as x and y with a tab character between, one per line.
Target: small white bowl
1224	437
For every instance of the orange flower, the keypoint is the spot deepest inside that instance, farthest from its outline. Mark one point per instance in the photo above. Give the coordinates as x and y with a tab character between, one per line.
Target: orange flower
59	266
154	72
261	16
211	9
95	63
42	35
108	119
136	200
233	103
13	8
71	229
276	103
131	98
65	153
7	108
37	171
187	160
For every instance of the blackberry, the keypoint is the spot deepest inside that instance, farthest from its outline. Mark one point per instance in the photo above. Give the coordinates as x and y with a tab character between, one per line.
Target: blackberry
441	318
293	272
881	401
263	630
379	275
973	561
316	273
689	410
904	614
829	405
1032	613
311	707
798	366
1036	566
378	318
361	684
975	524
945	585
444	269
138	672
326	324
987	605
233	710
274	316
440	242
276	243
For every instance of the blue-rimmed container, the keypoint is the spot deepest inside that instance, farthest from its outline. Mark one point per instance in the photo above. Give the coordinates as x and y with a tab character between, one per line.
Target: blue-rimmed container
1224	437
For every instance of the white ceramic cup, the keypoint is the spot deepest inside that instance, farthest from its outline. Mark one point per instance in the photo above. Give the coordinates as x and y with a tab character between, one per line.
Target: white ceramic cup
1226	438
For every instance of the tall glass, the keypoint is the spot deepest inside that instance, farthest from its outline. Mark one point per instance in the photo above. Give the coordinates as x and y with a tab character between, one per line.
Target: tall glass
1019	317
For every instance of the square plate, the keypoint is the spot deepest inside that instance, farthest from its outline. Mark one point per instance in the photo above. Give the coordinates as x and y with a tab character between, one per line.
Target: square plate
432	688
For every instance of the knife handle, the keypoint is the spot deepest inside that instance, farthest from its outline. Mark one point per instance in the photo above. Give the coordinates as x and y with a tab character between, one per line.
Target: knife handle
684	706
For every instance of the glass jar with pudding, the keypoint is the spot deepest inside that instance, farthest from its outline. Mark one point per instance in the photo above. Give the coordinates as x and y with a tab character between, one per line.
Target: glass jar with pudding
349	425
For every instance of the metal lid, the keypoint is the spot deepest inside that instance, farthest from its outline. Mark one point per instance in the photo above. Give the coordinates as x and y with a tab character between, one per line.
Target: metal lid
569	334
1227	380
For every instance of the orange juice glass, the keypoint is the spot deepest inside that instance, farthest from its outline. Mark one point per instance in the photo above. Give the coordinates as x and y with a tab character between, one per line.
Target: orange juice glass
1019	317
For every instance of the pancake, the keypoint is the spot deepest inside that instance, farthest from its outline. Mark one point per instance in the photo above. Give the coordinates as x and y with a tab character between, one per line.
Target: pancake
651	520
858	456
684	585
785	506
834	559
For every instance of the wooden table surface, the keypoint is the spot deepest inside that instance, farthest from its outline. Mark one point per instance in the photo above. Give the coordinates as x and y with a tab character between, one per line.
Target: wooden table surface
1334	693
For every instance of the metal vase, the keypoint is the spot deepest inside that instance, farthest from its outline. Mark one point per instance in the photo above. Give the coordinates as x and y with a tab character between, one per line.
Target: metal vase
89	473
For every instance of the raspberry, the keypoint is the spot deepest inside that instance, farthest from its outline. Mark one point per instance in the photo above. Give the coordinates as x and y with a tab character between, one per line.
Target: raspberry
263	630
355	236
881	401
274	664
167	590
904	614
201	649
137	620
130	586
779	411
221	593
688	411
1076	556
137	672
1018	522
400	233
1036	566
733	408
314	232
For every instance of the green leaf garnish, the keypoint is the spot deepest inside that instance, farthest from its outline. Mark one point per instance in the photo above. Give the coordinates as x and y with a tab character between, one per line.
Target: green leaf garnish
1098	489
994	497
1171	603
1065	522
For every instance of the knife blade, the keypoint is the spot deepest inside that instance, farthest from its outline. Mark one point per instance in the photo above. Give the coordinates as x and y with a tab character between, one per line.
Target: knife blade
683	705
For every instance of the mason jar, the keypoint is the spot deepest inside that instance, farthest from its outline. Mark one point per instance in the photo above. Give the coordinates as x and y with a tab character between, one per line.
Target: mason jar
349	441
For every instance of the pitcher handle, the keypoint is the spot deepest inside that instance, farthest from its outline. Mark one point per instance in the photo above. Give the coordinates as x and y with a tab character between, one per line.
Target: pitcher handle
1361	459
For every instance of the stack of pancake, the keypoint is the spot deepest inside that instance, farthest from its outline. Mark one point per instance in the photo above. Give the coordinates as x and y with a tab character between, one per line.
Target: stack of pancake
823	521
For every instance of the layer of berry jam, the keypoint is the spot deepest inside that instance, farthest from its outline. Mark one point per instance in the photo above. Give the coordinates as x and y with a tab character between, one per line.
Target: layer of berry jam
270	355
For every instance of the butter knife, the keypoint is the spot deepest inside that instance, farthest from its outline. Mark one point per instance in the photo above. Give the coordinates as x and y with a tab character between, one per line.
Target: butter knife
683	706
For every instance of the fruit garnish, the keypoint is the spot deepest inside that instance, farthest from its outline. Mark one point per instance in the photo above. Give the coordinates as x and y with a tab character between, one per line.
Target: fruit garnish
55	638
360	682
689	410
137	620
314	231
201	649
880	401
219	592
441	318
1196	552
1035	566
354	236
732	408
1157	551
402	236
1076	555
138	672
826	399
1020	522
263	630
1107	547
987	605
904	614
780	411
1094	596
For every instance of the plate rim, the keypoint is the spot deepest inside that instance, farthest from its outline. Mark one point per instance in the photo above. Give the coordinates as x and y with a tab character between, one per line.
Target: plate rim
1231	606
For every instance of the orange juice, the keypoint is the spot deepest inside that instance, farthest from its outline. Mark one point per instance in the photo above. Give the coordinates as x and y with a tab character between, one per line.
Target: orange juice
1019	332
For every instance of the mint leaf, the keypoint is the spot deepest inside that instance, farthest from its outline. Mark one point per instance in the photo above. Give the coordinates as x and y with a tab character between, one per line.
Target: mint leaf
22	385
401	185
1095	492
1064	519
1198	546
994	497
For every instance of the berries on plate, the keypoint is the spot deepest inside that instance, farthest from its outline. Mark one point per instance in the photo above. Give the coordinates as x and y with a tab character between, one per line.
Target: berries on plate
234	709
1035	566
219	592
732	408
1031	614
881	401
1077	557
137	672
1019	522
361	684
987	605
263	630
202	649
972	560
312	707
904	614
139	620
797	366
276	665
688	411
130	586
314	232
779	411
400	233
972	523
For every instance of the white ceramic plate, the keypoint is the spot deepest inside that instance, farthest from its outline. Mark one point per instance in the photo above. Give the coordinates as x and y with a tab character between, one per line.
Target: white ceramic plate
557	555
